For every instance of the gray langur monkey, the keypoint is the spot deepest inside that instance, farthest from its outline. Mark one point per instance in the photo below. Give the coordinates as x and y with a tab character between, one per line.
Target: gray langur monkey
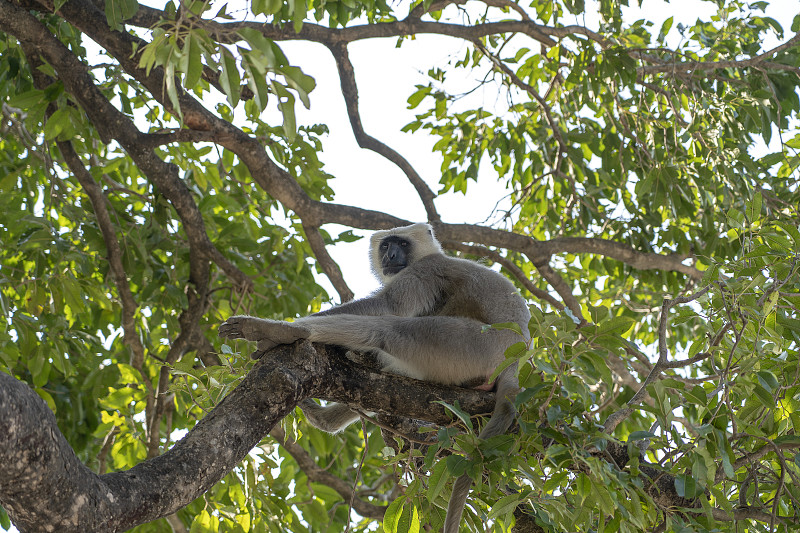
425	322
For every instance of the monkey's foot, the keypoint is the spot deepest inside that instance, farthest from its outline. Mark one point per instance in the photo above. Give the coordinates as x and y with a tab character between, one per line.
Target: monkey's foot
268	333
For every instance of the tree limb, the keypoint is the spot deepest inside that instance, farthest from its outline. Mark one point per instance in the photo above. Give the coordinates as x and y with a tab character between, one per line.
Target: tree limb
282	187
43	484
690	66
329	266
147	17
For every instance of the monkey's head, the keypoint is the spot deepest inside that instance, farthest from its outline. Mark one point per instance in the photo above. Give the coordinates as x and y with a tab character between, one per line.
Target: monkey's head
393	250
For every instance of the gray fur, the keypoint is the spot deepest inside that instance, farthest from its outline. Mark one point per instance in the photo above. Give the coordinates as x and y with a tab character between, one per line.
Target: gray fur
332	418
424	322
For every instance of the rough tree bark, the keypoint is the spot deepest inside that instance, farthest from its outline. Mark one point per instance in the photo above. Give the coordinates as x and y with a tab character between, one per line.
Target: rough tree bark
45	487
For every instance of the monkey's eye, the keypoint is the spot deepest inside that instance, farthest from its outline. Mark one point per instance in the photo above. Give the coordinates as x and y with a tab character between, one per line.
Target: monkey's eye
384	245
403	243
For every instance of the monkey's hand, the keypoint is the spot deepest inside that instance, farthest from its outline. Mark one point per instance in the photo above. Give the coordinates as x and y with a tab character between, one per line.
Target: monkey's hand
268	333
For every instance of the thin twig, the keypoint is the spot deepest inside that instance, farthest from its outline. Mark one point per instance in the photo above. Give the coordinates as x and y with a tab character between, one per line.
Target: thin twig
329	266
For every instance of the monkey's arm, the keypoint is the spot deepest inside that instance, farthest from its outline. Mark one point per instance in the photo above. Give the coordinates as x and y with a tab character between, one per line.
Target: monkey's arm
408	294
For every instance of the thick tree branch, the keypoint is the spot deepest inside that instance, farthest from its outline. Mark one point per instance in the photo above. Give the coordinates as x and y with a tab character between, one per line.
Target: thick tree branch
148	17
43	484
623	253
539	251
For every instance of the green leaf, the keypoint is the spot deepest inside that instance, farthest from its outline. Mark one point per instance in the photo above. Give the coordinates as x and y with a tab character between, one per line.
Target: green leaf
27	99
118	11
229	81
665	27
40	369
191	61
272	7
687	487
48	399
617	325
286	105
754	208
60	126
409	520
416	98
764	397
696	395
300	82
129	8
513	326
457	465
257	6
710	276
787	439
299	15
5	522
256	80
73	296
462	415
505	505
261	44
768	380
203	523
172	88
437	480
113	13
392	515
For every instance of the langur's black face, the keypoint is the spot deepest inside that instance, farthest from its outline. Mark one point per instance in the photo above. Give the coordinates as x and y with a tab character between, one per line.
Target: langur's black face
395	253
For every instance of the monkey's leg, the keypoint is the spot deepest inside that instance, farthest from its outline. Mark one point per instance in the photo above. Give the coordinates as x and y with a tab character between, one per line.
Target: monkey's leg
332	418
268	333
442	349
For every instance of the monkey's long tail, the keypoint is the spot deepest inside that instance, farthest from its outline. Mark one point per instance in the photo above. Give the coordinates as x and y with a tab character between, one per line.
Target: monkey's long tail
501	419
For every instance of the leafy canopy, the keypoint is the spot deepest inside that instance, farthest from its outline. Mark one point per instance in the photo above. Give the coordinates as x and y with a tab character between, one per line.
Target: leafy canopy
652	178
